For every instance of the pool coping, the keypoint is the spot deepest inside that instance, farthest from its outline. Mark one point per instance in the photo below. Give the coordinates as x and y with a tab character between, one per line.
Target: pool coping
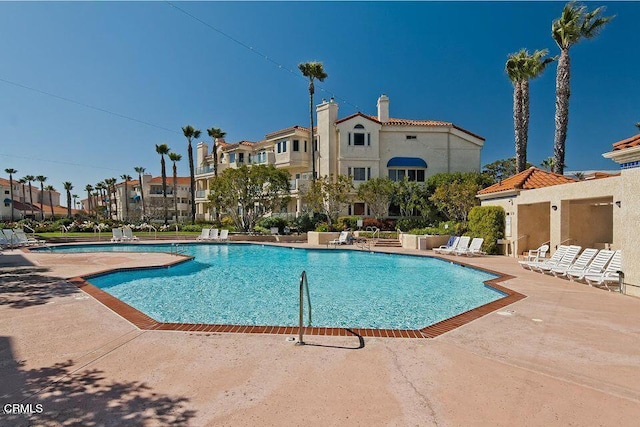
144	322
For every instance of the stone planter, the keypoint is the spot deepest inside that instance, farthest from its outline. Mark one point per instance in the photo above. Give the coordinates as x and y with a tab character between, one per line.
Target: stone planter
321	238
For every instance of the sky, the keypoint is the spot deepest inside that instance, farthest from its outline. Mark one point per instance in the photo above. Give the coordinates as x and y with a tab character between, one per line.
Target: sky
124	76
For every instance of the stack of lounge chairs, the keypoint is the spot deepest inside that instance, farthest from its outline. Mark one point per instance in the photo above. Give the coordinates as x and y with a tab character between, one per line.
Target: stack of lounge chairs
462	246
213	234
16	238
593	266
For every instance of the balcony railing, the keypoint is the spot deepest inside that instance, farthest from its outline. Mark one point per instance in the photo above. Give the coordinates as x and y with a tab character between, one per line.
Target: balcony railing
200	194
203	170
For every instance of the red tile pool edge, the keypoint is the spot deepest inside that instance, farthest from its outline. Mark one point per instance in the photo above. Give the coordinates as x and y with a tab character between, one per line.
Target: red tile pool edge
144	322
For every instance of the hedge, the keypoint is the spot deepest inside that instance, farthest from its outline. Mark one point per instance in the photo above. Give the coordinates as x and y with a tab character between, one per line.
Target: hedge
487	222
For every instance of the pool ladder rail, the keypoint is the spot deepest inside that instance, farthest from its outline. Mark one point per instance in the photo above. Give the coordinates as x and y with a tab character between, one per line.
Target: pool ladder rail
304	285
177	249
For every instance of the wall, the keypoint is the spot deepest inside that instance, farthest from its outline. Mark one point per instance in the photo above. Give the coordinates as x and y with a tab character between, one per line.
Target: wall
627	228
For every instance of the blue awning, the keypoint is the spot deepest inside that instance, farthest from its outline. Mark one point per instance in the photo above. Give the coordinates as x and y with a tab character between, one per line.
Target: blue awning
136	197
415	162
8	200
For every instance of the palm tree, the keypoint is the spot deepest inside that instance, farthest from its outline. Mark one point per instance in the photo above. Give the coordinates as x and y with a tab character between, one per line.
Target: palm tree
312	70
111	189
75	201
41	179
522	67
579	176
163	149
29	179
126	178
548	163
11	171
50	188
175	158
191	133
575	24
89	189
101	187
68	187
638	125
140	171
22	182
215	134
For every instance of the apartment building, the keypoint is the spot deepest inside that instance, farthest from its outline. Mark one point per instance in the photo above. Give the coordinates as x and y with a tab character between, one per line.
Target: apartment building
362	146
25	204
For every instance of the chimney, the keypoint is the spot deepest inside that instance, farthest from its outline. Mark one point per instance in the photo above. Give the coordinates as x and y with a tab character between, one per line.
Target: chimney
383	108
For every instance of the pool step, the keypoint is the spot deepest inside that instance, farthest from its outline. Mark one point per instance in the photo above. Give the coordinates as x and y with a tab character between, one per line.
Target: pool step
388	243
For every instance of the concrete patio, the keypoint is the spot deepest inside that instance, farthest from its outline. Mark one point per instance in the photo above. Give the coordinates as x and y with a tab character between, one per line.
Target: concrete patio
567	354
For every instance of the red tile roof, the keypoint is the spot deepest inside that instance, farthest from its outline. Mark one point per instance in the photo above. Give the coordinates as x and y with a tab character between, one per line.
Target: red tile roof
182	180
286	130
527	180
634	141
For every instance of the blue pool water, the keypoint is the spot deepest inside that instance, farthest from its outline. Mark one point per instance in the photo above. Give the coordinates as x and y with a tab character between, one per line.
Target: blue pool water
259	285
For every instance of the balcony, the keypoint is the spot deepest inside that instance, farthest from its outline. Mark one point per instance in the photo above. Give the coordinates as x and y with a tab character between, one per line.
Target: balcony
300	184
204	170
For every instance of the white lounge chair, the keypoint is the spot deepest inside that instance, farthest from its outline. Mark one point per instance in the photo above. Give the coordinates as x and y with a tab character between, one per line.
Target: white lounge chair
463	245
23	240
274	230
474	249
213	234
224	235
341	240
567	259
10	237
452	243
609	275
580	264
204	234
536	255
4	241
128	234
118	235
555	258
596	266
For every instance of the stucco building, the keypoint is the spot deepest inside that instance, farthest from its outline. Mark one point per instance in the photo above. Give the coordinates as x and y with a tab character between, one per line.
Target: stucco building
362	146
25	204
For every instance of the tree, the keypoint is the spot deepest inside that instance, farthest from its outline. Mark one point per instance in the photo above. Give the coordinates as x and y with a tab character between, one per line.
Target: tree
410	196
50	189
579	176
68	187
191	133
215	134
89	189
111	189
522	67
312	70
140	170
638	125
377	194
163	149
126	178
501	169
29	179
11	171
101	187
329	196
548	163
41	179
75	201
175	158
247	194
455	199
22	182
575	24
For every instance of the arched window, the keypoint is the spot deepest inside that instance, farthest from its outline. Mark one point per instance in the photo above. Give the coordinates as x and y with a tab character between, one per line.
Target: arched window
358	126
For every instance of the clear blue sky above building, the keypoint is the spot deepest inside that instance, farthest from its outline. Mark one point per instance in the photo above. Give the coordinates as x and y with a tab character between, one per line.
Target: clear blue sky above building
153	63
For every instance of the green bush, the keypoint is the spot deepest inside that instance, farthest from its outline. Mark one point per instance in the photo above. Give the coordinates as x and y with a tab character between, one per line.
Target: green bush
346	222
273	221
261	230
192	227
405	224
487	222
322	227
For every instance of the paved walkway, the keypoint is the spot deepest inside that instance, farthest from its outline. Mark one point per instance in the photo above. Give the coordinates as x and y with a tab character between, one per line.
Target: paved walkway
567	355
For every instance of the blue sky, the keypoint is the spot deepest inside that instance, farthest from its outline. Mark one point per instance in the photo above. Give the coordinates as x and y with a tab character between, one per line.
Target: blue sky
151	62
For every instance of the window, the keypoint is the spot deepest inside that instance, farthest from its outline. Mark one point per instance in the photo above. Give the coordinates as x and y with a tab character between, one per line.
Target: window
232	157
6	191
305	146
368	139
240	157
284	146
359	174
358	126
417	175
358	139
412	137
296	145
358	209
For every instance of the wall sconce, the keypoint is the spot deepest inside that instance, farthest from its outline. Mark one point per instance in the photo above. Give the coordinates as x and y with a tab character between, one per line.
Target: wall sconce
554	207
511	202
618	203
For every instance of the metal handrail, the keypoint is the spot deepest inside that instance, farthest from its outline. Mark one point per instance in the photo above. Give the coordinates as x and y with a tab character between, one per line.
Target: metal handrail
304	284
155	230
29	228
96	228
565	240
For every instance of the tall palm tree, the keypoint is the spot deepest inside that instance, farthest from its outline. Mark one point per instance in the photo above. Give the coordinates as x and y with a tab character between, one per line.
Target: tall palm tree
140	171
22	182
638	125
75	200
522	67
11	171
50	189
215	134
89	189
312	70
163	149
101	187
175	158
41	179
575	24
126	178
29	179
113	201
68	187
191	133
548	163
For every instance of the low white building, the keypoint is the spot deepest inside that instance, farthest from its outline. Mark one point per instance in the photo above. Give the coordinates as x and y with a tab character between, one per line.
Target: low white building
362	146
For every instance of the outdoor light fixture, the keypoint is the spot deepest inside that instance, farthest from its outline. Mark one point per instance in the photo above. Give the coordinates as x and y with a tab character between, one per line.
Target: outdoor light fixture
618	203
554	207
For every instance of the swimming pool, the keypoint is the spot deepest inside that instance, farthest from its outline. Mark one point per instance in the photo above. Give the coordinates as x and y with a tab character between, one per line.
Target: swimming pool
258	285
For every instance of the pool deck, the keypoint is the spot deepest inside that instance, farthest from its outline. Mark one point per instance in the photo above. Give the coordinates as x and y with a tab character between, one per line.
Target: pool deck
567	354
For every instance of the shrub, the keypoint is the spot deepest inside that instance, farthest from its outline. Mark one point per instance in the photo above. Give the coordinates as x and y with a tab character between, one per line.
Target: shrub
405	224
322	227
273	221
306	223
193	227
487	222
386	224
345	222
